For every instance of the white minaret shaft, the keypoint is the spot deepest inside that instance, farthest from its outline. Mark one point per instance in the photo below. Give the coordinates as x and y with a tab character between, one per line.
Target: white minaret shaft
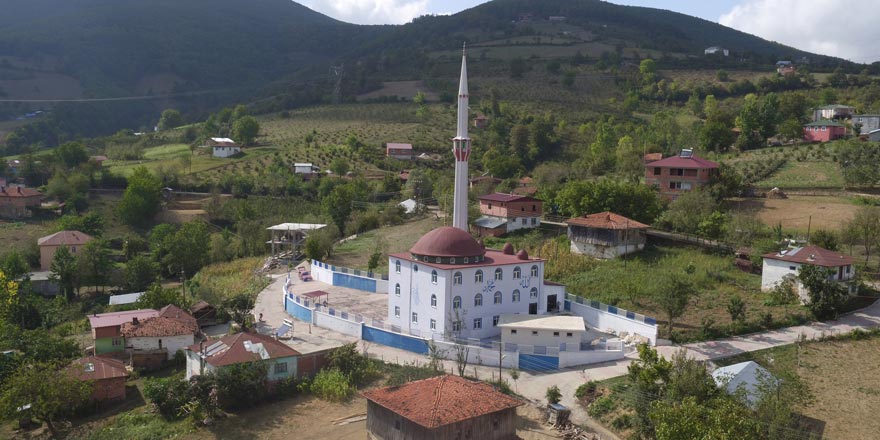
461	148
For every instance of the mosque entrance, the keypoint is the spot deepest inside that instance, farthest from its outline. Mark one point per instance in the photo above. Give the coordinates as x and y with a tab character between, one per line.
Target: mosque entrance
533	308
552	305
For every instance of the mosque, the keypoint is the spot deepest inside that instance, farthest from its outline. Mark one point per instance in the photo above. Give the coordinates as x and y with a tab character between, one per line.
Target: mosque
449	284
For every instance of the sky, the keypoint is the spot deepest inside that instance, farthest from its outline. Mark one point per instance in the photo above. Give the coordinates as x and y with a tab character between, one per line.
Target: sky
804	24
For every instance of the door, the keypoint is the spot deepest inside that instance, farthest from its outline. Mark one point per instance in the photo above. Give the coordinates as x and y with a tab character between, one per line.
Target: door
551	303
533	308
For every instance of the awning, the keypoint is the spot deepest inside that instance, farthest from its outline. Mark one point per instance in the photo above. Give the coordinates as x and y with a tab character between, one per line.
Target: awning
489	222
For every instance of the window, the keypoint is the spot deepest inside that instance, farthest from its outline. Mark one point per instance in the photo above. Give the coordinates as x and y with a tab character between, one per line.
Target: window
456	326
466	260
452	260
495	320
848	268
534	221
456	279
497	299
478	277
490	206
397	311
397	266
517	273
522	220
438	260
415	318
534	271
397	425
676	172
533	293
522	209
433	324
478	323
456	303
516	295
569	334
415	267
434	301
656	171
534	208
824	128
478	300
117	342
534	333
513	331
555	333
397	289
792	268
281	368
434	276
499	274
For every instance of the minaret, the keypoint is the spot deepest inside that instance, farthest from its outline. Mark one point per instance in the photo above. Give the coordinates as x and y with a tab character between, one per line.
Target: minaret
461	148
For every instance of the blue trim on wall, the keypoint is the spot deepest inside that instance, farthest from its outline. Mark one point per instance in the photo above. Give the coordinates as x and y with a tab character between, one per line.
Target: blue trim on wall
297	311
534	362
395	340
353	282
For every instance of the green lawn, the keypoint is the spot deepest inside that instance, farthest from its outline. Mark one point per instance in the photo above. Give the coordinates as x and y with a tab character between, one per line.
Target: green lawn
806	174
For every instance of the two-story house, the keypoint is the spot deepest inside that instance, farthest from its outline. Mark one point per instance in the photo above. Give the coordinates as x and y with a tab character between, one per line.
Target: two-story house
833	111
17	201
678	174
72	240
779	266
866	123
503	213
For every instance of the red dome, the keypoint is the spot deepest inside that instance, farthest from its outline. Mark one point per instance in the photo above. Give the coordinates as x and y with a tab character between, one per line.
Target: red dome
507	249
522	255
447	241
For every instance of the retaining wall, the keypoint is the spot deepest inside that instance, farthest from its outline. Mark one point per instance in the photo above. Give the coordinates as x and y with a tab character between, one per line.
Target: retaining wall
572	358
603	317
347	277
337	324
298	311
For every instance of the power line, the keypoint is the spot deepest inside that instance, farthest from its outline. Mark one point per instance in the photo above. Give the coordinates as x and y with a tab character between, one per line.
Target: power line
120	98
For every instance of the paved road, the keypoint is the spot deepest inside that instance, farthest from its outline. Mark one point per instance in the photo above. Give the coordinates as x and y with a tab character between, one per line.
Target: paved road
534	385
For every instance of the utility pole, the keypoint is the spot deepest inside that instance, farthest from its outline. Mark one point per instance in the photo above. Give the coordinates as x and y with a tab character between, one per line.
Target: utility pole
183	283
809	224
500	357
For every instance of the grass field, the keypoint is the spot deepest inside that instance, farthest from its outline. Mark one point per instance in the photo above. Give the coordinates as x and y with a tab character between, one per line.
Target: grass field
807	174
356	253
837	372
798	213
807	166
220	281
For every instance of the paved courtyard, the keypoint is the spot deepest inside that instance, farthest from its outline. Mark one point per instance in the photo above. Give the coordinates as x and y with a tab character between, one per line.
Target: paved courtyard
355	302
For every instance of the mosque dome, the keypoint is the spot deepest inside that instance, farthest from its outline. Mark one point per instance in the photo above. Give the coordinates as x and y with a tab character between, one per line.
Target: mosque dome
446	242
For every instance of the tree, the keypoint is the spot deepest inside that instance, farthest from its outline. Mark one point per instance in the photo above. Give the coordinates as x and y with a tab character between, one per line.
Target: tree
636	201
91	223
687	211
9	294
239	308
553	395
157	297
865	227
673	296
140	272
628	160
71	154
246	129
514	375
339	166
648	71
827	296
14	265
337	204
186	249
721	419
64	271
647	376
722	75
318	245
141	199
53	394
94	263
170	118
824	239
791	129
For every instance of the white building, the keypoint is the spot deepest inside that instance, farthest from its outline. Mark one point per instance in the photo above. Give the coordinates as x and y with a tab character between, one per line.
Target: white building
158	333
548	331
785	264
305	168
223	147
716	50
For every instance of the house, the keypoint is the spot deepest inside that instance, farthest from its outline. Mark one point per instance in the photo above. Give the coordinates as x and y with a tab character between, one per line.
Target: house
678	174
490	181
866	123
242	348
106	375
785	265
146	336
606	235
17	201
106	328
99	160
746	378
716	50
874	135
785	67
824	131
542	330
223	147
72	240
443	407
503	213
833	111
204	313
481	122
43	283
305	169
399	151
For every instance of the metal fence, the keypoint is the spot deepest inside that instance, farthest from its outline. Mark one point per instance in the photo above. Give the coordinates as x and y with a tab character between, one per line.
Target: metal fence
350	271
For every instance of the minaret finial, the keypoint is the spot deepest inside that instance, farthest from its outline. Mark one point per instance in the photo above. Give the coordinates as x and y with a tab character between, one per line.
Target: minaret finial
464	49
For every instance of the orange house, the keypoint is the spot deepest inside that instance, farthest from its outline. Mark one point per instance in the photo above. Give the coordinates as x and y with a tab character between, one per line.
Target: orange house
16	201
679	174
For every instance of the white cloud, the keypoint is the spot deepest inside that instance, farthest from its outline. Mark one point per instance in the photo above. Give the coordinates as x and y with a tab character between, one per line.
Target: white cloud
820	26
370	11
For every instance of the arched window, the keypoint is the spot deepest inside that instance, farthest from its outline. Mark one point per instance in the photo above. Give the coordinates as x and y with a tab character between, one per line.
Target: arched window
533	293
517	273
456	303
434	276
499	274
456	279
534	271
397	266
433	300
478	277
415	267
397	289
497	298
516	295
478	300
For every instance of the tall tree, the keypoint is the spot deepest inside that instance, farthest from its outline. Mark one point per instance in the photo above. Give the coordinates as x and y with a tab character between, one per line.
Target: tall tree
170	118
94	263
827	296
53	394
865	227
64	271
246	129
72	154
673	296
142	197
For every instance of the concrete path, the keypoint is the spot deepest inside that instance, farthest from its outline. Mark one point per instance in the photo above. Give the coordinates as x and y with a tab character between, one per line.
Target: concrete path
534	385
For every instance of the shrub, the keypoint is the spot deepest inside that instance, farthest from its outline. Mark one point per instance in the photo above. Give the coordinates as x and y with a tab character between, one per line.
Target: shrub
167	394
621	422
333	385
242	385
585	390
553	394
600	407
502	386
736	308
356	366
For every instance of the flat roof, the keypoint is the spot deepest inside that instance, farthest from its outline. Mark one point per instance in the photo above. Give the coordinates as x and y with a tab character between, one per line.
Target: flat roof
543	322
296	227
127	298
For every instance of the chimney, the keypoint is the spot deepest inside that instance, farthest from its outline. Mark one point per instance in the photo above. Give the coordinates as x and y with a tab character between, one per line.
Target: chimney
134	320
18	188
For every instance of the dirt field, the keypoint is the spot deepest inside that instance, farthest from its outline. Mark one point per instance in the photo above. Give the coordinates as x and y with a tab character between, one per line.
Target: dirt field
18	235
840	375
794	212
310	418
356	253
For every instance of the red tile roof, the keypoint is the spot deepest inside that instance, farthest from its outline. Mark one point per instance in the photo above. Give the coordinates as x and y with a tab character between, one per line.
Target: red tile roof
65	238
504	198
17	191
118	318
174	312
199	306
101	368
236	351
653	157
606	220
395	146
684	162
158	326
447	241
812	255
442	400
492	258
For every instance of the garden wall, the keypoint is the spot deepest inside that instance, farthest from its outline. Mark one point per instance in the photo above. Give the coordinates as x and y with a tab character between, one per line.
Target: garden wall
604	317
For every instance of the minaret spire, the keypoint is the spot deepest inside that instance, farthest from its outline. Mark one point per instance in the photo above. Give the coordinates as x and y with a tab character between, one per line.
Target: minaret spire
461	148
